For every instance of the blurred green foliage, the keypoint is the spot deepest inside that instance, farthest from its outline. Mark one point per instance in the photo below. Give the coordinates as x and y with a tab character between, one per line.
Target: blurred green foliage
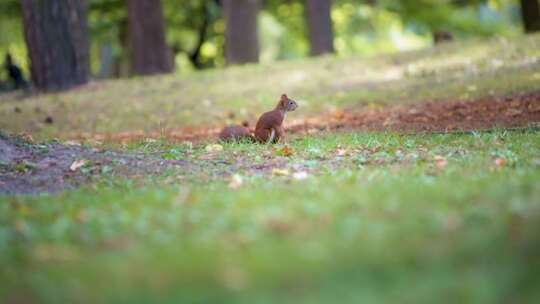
361	27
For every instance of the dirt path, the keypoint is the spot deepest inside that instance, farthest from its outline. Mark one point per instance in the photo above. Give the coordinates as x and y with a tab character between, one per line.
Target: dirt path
29	168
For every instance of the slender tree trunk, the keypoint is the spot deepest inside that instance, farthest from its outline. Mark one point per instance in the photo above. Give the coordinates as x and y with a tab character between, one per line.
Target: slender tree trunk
149	51
321	35
56	34
106	60
530	12
241	37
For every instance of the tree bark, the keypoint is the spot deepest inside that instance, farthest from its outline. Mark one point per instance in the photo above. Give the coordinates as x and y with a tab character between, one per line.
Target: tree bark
321	36
149	51
530	12
56	34
106	60
241	37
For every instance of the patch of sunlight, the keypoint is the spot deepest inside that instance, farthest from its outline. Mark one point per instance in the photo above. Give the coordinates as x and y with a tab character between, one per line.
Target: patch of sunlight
219	26
297	76
338	17
270	32
365	11
183	64
406	41
340	45
209	49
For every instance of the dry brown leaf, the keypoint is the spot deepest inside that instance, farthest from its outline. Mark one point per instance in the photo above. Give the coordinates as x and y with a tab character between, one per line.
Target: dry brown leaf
77	164
72	143
500	162
440	162
534	107
27	137
208	156
341	152
338	114
513	112
285	151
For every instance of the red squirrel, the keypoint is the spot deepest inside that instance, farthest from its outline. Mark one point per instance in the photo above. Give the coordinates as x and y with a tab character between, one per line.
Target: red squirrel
236	133
269	128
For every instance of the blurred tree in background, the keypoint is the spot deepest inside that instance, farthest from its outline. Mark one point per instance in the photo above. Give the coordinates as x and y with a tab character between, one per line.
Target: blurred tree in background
321	36
530	12
149	51
200	34
56	35
241	31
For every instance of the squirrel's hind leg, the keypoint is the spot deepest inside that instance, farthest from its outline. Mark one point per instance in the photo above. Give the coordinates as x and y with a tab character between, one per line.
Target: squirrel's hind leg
271	136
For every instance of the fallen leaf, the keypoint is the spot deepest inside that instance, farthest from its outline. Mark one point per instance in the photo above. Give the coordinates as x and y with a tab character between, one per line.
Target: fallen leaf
285	151
534	107
26	137
72	143
280	172
338	114
440	162
94	142
341	152
77	164
513	112
300	175
208	156
500	162
515	103
214	148
236	181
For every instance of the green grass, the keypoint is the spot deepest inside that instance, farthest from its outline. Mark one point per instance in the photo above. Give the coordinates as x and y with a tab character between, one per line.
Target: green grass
380	218
381	224
458	70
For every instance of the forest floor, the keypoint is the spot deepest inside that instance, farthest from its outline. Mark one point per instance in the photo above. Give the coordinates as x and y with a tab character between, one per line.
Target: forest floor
404	177
40	168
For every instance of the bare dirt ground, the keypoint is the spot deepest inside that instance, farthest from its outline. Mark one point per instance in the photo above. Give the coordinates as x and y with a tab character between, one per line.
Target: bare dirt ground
31	168
520	110
513	111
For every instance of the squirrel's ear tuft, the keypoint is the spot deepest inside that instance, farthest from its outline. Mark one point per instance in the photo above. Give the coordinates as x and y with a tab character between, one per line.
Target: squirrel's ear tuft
284	96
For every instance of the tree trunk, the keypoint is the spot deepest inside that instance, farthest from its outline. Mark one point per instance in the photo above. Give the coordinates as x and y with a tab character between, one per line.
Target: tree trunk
106	60
149	51
320	26
56	34
241	37
530	12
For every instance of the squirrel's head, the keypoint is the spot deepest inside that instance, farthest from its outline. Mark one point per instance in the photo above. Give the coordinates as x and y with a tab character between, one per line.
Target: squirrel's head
287	104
